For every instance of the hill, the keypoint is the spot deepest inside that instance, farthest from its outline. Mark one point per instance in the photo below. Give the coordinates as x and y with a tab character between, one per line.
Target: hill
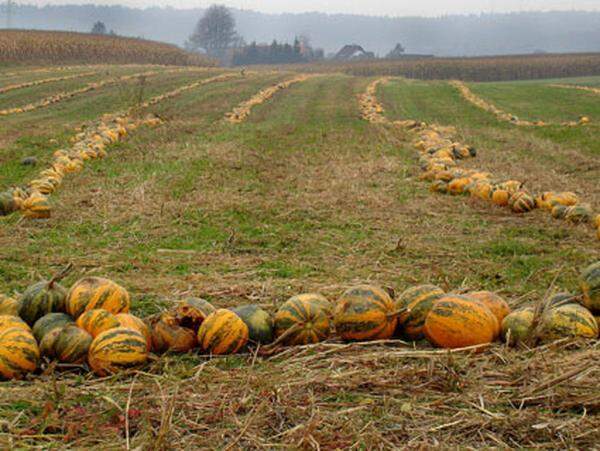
489	34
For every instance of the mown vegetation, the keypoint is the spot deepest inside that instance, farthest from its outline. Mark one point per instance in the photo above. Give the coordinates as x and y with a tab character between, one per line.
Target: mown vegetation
57	47
302	195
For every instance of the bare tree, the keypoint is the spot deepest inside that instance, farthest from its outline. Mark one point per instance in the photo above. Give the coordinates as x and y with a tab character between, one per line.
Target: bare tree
215	32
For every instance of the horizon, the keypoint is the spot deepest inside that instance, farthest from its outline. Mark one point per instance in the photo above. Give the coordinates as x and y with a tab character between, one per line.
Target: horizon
378	8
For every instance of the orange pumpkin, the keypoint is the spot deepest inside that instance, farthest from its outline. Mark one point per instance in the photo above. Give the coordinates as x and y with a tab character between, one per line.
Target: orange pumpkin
498	306
457	322
223	332
97	321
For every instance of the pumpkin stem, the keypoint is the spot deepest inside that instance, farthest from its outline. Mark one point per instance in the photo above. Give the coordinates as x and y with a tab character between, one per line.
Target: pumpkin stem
292	330
60	275
398	312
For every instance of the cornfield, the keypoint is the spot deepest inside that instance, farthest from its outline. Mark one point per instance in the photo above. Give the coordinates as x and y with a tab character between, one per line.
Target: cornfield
55	47
501	68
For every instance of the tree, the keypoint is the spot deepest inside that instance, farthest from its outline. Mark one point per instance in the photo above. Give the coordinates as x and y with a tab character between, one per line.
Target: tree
99	28
398	52
215	32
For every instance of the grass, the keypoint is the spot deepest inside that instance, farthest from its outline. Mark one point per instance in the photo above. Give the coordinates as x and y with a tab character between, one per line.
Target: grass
304	196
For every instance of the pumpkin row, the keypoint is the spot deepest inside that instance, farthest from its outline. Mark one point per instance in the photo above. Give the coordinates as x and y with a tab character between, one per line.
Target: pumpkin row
578	87
91	322
504	116
242	111
44	81
90	143
438	156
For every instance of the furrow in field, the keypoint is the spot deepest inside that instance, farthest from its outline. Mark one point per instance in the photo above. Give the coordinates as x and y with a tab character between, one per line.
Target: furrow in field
44	81
56	98
91	143
502	115
440	153
243	110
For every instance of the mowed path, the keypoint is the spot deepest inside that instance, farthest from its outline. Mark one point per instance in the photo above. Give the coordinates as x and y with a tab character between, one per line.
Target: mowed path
303	196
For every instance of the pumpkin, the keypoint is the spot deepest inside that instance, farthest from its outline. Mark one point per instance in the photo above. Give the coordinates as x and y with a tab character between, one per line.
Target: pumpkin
439	186
579	214
498	306
19	353
117	349
192	312
9	306
597	222
71	345
419	300
457	322
223	332
168	335
97	321
365	313
304	319
457	186
516	326
589	281
43	297
129	321
36	206
522	202
8	203
49	322
559	211
11	321
571	320
512	186
566	199
500	197
260	324
97	293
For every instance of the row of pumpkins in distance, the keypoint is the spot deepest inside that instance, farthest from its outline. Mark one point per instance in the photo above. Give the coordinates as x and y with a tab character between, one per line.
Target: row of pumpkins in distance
91	324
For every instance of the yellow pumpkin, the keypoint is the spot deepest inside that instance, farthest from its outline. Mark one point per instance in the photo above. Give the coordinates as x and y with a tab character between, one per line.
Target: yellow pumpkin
97	293
500	197
36	206
12	321
365	313
97	321
19	353
570	320
116	350
457	322
129	321
517	326
222	332
305	319
9	306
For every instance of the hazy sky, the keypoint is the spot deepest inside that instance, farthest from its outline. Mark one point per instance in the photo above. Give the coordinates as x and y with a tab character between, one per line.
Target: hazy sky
372	7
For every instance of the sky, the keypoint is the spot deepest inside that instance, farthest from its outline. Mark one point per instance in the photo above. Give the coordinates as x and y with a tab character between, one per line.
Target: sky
370	7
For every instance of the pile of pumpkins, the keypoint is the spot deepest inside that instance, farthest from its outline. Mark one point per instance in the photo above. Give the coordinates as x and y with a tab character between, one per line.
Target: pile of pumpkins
579	87
504	116
91	143
44	81
242	111
90	323
438	157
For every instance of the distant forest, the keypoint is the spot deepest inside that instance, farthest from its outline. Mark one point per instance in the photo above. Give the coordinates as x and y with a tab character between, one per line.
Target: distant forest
489	34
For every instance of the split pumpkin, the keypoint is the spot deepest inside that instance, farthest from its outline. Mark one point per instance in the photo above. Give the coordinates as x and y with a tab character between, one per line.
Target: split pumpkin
117	350
223	332
365	313
192	312
457	322
303	319
97	293
168	335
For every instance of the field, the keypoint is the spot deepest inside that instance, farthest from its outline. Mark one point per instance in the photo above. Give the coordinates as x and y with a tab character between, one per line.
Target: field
303	195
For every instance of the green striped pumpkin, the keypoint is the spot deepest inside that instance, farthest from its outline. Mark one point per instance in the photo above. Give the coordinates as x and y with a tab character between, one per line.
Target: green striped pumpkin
589	281
8	203
71	345
40	299
223	332
571	320
304	319
418	300
522	202
10	321
365	313
49	322
116	350
19	353
259	322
